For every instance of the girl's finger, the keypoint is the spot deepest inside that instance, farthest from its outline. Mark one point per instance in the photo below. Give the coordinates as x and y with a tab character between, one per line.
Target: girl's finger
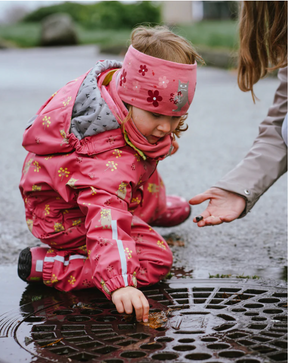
137	303
128	306
145	306
119	306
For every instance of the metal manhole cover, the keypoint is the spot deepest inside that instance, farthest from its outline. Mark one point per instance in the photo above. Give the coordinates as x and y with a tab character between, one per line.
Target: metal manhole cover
209	320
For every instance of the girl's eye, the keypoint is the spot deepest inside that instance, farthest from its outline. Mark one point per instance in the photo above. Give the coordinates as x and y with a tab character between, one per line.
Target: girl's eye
156	115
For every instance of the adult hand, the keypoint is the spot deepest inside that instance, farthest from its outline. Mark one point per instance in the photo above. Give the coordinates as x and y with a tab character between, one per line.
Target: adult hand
128	297
223	206
175	147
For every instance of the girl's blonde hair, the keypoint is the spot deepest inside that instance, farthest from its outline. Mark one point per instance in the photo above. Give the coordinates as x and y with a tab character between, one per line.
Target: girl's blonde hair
160	42
263	41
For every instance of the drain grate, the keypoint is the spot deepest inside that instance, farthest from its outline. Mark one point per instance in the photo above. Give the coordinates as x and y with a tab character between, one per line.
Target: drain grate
209	320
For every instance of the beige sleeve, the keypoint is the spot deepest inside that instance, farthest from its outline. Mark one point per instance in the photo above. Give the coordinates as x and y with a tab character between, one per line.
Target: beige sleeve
266	161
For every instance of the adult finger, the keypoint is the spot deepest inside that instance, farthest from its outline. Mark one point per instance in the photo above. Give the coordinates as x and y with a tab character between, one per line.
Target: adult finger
212	221
200	198
205	214
229	218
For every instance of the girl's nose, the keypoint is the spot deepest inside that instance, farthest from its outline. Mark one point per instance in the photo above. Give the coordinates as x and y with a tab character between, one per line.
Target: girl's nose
164	126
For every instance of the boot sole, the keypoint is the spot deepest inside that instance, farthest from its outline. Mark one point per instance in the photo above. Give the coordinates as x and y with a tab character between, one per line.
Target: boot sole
24	264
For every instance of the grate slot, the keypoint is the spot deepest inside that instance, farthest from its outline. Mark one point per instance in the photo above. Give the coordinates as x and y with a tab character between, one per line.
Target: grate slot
199	301
127	342
279	356
133	354
229	289
226	317
105	350
139	336
126	326
63	350
115	339
269	300
43	328
263	349
198	356
280	344
255	292
85	338
73	333
165	356
216	301
272	311
257	326
201	295
72	327
92	344
83	357
218	346
189	332
176	290
91	312
245	342
231	354
280	294
261	339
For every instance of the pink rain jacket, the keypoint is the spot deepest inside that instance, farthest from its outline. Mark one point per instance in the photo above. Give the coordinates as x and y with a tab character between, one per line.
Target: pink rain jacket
80	194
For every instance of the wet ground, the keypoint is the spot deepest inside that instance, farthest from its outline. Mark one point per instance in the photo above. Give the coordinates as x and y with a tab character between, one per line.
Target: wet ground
212	320
222	125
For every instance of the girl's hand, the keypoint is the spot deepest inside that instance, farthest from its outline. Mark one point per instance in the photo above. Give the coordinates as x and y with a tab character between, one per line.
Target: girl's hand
223	206
175	147
128	297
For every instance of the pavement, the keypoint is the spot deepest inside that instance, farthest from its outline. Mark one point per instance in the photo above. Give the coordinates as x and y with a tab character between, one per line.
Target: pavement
223	123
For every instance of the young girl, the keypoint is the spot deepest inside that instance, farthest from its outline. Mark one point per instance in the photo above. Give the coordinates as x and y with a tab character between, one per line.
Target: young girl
89	182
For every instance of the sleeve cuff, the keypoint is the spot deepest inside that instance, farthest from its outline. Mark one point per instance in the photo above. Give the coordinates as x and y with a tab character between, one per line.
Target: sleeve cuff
118	282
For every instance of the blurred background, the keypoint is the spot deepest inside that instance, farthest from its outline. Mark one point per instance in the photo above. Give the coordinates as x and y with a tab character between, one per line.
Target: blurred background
210	25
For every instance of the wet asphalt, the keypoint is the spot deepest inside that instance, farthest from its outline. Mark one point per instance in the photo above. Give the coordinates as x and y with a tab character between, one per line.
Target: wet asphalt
223	122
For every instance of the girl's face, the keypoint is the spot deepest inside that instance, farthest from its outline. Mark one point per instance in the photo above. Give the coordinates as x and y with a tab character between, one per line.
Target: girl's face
152	125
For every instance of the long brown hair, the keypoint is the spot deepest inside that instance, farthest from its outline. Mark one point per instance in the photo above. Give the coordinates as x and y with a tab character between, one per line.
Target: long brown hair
263	41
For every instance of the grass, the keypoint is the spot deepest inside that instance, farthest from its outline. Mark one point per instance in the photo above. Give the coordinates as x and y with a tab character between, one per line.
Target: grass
210	34
21	35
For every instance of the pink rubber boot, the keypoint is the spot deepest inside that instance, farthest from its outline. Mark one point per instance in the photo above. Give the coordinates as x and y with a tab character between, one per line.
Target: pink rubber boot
178	210
30	263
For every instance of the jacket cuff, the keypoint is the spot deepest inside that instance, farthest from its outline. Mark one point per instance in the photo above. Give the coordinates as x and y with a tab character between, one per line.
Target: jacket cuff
117	282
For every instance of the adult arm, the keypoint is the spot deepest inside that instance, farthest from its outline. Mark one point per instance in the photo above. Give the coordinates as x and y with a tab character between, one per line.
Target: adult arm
237	192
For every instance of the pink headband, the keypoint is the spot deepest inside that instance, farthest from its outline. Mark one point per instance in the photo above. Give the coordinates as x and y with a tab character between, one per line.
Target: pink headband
156	85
